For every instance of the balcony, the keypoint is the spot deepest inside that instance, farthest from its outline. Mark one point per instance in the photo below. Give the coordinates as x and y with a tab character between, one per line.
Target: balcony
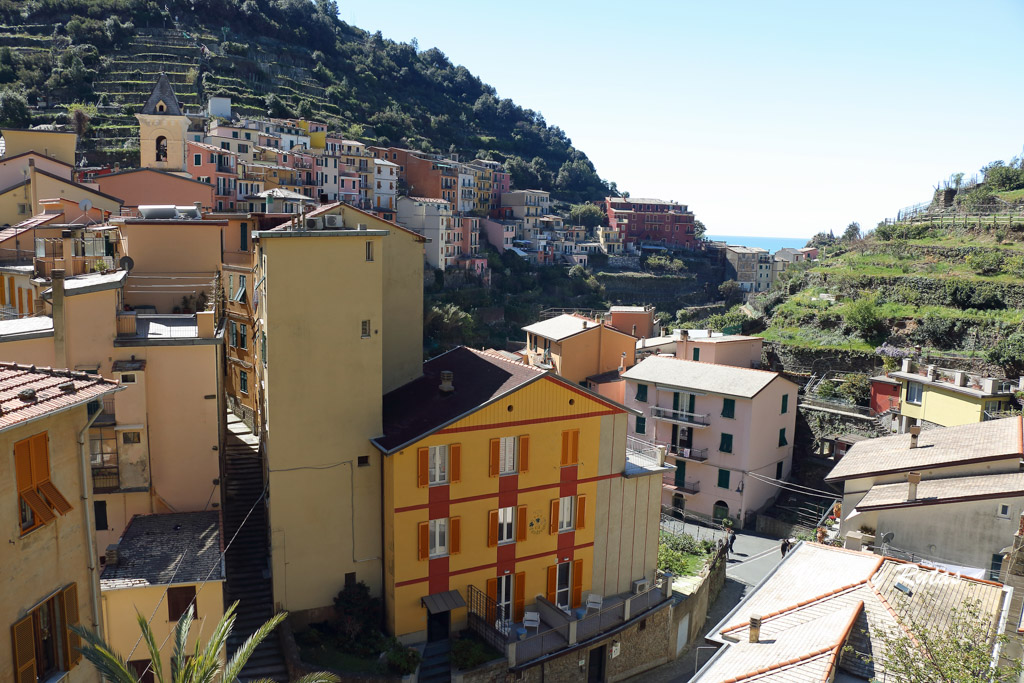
76	265
680	417
644	457
105	479
104	411
693	454
560	628
689	486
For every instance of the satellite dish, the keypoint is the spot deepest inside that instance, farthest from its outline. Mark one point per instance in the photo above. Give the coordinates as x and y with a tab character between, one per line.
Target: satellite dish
126	263
85	205
887	537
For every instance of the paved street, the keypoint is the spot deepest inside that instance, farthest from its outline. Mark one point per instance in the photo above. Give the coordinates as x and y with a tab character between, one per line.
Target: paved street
753	558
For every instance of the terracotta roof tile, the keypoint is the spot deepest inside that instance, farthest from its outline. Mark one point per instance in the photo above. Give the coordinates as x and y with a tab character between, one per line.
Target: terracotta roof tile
28	393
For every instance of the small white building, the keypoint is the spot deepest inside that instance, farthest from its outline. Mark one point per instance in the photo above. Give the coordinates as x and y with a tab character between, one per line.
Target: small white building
432	218
385	184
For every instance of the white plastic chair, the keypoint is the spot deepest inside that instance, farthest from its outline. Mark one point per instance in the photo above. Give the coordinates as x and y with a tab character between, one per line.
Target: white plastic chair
594	601
531	620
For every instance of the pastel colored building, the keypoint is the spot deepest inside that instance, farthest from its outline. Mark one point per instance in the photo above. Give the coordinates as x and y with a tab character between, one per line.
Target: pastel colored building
576	347
385	181
47	560
729	430
433	219
739	350
651	221
19	200
500	234
933	396
141	186
58	145
751	267
163	129
216	167
635	320
528	206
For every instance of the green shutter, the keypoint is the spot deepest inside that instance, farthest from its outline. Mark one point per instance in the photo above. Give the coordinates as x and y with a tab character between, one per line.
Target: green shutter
725	445
696	354
728	407
641	393
723	479
680	473
778	469
785	403
641	425
782	437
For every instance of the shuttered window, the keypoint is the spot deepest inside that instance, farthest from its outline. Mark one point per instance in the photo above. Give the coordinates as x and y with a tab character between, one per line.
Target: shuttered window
38	498
178	600
570	447
43	641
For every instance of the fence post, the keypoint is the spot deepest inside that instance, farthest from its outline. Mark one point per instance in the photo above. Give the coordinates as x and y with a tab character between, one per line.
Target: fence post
512	653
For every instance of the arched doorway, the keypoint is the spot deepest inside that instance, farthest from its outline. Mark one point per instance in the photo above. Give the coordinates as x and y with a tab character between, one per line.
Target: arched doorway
161	148
720	510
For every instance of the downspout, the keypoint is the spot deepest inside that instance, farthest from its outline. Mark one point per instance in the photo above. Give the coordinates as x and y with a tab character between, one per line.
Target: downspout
94	585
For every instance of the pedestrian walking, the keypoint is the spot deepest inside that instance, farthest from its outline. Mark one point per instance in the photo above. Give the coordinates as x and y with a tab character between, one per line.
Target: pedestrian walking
785	546
732	538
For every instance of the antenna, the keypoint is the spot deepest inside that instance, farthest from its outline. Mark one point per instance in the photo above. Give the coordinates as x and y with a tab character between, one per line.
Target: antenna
84	206
887	537
126	263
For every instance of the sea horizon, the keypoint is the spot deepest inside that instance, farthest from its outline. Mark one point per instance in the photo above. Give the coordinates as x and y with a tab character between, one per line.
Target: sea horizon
772	244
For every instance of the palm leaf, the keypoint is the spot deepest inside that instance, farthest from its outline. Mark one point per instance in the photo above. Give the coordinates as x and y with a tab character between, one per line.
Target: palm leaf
155	663
249	646
319	677
109	665
181	630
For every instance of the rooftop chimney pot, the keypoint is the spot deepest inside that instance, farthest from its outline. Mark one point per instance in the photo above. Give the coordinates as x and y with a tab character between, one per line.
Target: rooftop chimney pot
913	479
755	628
447	385
915	432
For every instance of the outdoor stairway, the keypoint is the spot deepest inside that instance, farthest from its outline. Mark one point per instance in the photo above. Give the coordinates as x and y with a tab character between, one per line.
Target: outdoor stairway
247	560
437	662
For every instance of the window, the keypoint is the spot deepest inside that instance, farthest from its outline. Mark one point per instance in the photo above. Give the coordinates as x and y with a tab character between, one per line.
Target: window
723	479
503	599
240	294
914	392
507	455
641	425
243	237
725	444
43	641
197	159
438	537
263	348
566	513
438	468
696	354
37	496
363	461
179	598
142	670
1004	511
641	393
99	510
729	407
785	403
562	587
243	342
365	329
997	564
243	381
369	251
507	525
128	438
231	286
782	437
232	333
778	469
161	148
128	378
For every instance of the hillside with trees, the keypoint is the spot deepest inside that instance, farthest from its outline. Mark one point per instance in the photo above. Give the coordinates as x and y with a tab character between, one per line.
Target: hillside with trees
280	58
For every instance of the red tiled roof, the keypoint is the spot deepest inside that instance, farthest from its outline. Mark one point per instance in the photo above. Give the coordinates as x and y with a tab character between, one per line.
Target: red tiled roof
28	392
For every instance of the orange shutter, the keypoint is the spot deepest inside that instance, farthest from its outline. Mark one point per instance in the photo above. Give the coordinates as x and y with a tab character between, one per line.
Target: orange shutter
492	528
40	458
424	535
495	467
581	512
565	448
577	582
492	594
455	531
524	453
521	523
519	599
574	448
24	651
69	598
455	466
423	467
553	522
552	583
54	497
39	507
23	465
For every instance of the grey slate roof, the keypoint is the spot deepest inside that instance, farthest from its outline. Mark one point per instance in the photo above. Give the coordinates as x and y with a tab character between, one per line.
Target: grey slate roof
948	490
702	377
162	91
156	550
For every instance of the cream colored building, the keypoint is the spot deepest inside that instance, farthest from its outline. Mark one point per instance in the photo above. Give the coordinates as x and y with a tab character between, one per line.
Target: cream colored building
729	430
577	347
59	145
163	129
340	317
48	580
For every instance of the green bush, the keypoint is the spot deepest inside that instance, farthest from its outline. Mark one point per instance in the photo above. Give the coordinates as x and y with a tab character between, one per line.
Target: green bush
401	660
985	262
826	389
1009	352
682	543
856	389
862	317
469	652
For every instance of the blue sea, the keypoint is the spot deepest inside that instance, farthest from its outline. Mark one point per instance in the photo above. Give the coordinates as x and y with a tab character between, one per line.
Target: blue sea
772	244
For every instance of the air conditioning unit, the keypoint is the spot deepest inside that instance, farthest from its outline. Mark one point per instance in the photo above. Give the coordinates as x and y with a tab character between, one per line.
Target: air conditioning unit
333	221
641	586
314	223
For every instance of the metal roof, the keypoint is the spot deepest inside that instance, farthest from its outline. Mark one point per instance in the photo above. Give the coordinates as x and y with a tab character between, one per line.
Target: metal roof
706	377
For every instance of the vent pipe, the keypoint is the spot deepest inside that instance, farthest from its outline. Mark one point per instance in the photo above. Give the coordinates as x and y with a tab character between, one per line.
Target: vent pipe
60	349
915	432
755	628
447	385
913	479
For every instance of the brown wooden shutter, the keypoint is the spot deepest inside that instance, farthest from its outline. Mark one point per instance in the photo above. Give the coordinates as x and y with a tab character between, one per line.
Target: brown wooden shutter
492	528
423	467
23	465
552	583
495	459
581	512
577	582
24	651
424	536
455	466
519	600
574	447
455	531
492	594
40	458
553	522
69	598
54	497
39	506
565	449
524	453
521	523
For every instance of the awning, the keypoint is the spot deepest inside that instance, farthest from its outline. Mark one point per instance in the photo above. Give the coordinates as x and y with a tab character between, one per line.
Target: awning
443	602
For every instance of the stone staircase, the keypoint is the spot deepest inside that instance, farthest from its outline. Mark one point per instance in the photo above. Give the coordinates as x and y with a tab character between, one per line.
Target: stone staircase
437	662
248	559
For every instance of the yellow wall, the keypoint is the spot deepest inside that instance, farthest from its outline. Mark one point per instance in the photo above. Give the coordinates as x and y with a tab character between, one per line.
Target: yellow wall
946	408
60	146
50	557
592	352
121	607
174	128
542	411
53	188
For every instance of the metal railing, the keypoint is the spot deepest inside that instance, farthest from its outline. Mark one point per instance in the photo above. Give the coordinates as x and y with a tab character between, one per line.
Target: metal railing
815	402
689	486
482	617
683	416
105	478
643	453
694	454
126	324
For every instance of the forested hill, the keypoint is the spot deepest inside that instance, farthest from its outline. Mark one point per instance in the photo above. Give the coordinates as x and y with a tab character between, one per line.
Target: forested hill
282	57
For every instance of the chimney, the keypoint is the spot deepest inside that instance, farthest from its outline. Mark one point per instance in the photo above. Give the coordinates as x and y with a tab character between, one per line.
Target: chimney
60	350
988	385
755	628
913	479
584	324
905	366
447	385
960	378
113	555
199	208
622	363
915	432
930	372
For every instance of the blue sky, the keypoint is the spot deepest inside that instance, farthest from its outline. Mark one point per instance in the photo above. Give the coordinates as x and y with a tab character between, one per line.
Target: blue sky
767	118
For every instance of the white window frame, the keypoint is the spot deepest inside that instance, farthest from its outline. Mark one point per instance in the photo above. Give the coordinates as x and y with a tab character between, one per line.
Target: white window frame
919	391
563	595
506	591
1003	511
508	455
506	525
438	466
566	513
438	537
128	378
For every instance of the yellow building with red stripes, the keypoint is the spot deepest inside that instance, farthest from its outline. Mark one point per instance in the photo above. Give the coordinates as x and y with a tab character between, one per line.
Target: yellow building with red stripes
510	482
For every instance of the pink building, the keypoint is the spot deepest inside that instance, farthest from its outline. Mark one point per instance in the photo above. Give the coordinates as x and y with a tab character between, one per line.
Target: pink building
500	234
216	166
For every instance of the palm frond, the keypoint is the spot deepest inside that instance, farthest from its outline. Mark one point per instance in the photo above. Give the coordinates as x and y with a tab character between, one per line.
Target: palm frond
181	630
156	664
249	646
319	677
110	665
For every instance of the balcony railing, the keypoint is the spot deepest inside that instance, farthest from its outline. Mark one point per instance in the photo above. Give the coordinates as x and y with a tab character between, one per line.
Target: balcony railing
694	454
689	486
126	324
105	478
76	265
680	416
103	409
643	456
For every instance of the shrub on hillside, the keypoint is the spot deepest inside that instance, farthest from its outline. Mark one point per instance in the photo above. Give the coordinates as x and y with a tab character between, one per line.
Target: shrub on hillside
985	262
856	389
861	317
1009	353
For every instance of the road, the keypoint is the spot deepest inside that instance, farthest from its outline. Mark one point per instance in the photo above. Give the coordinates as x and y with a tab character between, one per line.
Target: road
753	558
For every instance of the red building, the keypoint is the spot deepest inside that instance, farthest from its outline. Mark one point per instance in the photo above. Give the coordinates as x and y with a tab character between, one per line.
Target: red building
651	221
216	166
885	394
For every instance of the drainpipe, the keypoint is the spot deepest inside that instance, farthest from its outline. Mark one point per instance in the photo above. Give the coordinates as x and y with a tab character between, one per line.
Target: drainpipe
90	540
60	349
